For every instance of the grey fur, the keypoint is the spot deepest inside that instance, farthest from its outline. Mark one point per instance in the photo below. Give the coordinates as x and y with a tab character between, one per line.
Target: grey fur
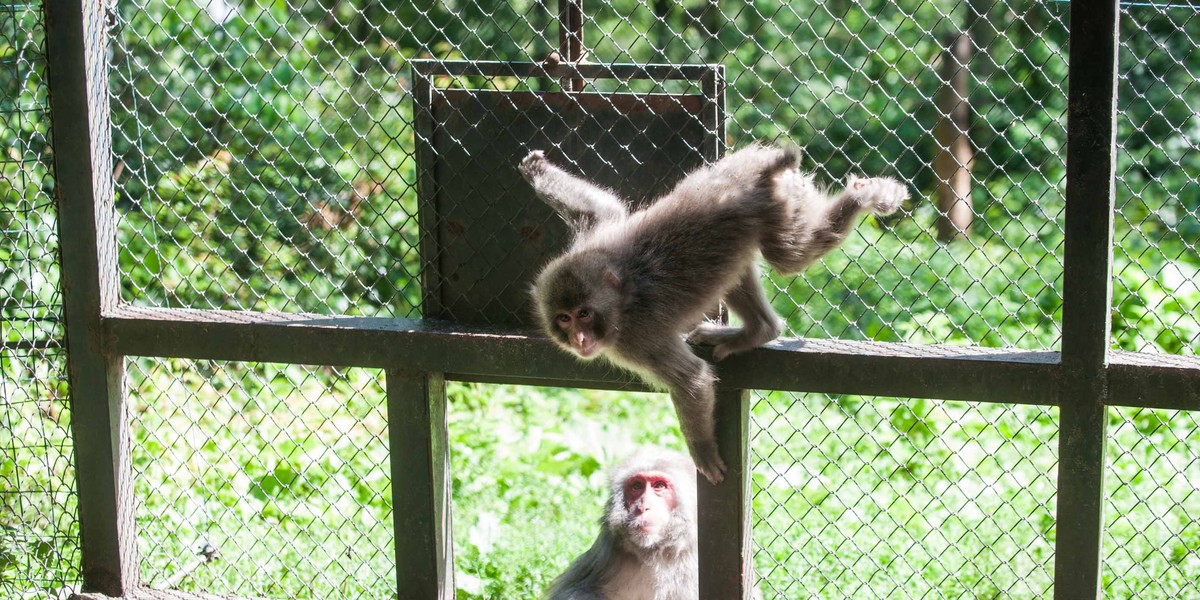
649	276
618	567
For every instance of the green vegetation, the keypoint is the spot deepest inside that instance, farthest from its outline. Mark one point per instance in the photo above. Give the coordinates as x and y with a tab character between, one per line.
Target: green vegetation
264	158
859	496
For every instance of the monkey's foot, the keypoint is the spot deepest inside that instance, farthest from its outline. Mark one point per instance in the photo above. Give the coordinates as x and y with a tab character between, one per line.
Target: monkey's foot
533	164
880	195
727	340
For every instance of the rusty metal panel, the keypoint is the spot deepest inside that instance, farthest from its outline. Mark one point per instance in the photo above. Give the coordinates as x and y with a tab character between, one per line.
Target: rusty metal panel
485	235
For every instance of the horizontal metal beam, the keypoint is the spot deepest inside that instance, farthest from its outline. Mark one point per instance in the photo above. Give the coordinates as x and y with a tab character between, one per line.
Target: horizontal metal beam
149	594
420	345
477	353
898	370
463	68
1163	381
496	355
34	344
624	103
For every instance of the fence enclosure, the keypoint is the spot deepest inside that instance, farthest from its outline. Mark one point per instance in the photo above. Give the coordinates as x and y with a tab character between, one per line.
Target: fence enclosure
1085	379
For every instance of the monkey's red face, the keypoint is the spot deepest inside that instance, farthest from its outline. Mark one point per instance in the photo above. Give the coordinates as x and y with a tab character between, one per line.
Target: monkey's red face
583	330
650	502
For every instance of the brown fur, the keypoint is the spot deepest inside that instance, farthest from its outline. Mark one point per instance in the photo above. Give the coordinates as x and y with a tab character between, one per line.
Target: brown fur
648	277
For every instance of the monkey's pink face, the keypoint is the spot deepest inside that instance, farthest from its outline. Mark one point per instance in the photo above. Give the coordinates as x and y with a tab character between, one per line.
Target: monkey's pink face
583	330
650	501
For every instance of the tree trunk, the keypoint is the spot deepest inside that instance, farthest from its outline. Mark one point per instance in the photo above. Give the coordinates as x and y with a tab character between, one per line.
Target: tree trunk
661	34
570	39
953	163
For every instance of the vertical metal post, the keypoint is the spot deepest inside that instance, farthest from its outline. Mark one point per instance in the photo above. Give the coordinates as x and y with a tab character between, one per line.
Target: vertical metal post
713	84
420	484
77	52
570	38
427	193
726	563
1087	296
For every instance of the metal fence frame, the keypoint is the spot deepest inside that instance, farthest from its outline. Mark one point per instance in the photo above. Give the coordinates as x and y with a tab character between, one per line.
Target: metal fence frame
420	356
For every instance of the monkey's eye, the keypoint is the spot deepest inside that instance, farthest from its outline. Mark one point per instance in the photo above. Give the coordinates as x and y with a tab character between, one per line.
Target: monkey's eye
638	485
564	318
660	485
584	313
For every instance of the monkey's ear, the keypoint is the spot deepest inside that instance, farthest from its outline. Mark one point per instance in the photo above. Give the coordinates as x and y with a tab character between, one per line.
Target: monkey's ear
611	279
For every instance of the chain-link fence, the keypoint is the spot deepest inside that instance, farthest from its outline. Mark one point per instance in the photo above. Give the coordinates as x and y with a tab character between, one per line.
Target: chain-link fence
881	497
263	163
1156	299
1151	531
39	546
262	480
266	153
1150	546
271	157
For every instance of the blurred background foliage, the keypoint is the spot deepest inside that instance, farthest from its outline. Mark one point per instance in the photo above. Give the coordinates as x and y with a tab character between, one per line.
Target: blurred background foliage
266	149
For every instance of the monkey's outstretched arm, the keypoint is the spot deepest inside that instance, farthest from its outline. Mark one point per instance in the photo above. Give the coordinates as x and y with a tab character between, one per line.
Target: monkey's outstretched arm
581	203
691	382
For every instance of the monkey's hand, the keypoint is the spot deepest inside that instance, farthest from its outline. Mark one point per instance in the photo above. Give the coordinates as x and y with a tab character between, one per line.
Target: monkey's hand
880	195
709	463
533	165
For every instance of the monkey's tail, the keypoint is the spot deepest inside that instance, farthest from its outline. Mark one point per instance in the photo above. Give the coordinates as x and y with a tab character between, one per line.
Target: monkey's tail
766	161
754	164
787	157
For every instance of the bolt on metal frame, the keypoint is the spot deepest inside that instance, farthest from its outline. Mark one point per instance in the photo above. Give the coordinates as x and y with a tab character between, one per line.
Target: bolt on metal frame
420	356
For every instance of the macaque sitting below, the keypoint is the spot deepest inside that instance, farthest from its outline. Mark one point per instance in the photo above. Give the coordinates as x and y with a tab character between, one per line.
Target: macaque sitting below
647	542
633	285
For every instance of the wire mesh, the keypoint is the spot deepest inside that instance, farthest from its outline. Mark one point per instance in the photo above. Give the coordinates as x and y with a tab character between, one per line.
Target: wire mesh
1156	295
262	480
879	497
266	153
265	159
1152	542
39	545
531	477
856	85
